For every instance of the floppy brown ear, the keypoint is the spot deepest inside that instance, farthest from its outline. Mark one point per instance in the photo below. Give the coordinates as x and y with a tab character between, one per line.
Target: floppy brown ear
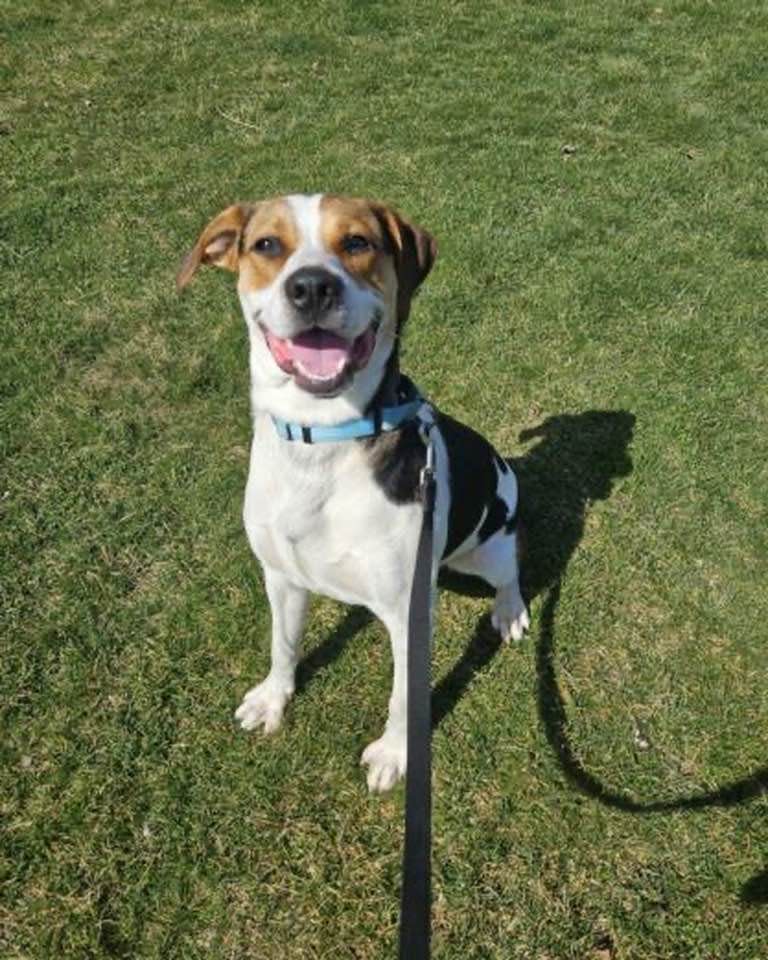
415	251
218	244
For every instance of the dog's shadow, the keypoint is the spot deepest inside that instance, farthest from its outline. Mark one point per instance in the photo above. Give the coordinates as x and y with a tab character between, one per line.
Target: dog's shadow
575	462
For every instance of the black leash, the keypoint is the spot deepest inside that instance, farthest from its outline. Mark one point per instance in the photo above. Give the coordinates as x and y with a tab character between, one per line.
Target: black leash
415	898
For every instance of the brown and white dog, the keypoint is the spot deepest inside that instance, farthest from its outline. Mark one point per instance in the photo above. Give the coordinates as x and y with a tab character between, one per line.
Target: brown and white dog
325	284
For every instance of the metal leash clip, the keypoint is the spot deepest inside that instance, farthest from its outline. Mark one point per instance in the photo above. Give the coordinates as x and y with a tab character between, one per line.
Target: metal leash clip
427	484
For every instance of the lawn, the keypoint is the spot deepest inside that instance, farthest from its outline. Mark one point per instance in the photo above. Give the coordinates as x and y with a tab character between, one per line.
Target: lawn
595	174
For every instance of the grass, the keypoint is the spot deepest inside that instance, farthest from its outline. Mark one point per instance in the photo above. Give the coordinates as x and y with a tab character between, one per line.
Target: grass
598	311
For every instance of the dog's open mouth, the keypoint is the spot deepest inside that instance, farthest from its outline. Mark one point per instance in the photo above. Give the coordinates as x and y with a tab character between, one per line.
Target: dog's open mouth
321	361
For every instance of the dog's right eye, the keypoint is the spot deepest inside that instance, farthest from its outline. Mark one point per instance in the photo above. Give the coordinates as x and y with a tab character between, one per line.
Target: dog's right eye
268	246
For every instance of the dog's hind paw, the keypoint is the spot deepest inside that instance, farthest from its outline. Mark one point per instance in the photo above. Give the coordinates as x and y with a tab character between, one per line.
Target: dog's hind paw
510	616
263	706
386	760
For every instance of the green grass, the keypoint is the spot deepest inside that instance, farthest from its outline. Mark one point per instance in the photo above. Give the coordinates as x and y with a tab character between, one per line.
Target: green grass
599	790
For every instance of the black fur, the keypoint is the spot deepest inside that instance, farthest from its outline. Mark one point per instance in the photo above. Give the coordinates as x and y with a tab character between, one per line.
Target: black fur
472	462
398	457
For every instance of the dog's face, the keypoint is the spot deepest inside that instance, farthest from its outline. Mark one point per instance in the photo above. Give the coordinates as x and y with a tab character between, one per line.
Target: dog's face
325	283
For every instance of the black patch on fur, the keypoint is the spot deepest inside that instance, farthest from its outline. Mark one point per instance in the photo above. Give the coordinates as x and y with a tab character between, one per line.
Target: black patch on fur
494	519
397	459
472	462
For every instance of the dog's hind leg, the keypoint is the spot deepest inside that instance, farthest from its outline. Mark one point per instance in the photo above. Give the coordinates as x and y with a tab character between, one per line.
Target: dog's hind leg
263	705
497	562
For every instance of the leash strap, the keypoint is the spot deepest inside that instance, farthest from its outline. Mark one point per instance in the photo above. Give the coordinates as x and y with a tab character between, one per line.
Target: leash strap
415	898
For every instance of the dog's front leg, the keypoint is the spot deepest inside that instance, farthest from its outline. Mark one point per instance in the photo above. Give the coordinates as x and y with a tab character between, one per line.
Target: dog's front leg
386	757
263	705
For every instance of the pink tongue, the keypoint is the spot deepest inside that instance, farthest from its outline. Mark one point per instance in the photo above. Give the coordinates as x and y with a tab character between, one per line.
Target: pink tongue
319	353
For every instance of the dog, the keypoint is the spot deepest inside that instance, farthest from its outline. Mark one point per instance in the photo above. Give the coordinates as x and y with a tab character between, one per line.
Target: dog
332	497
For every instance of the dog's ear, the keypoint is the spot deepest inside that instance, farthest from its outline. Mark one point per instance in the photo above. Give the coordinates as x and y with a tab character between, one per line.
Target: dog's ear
415	251
218	244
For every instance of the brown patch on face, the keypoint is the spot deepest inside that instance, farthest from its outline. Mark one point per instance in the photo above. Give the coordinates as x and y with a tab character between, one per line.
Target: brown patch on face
400	255
272	226
230	240
344	218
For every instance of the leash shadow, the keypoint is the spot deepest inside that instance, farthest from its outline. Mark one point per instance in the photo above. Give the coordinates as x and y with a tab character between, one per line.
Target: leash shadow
554	720
574	462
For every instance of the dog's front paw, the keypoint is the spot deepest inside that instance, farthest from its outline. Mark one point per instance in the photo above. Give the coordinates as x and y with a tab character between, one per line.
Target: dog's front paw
386	760
263	706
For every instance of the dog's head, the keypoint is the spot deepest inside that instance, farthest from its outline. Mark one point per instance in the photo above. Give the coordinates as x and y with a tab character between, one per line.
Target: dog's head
325	284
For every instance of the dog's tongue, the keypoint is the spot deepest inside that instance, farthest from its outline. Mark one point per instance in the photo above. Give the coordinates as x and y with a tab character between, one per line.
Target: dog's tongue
320	354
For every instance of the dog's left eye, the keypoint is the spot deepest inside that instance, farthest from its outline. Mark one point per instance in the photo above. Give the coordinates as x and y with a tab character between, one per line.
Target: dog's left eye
356	243
268	246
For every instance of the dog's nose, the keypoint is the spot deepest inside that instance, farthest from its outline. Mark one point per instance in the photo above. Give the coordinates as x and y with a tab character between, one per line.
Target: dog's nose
313	290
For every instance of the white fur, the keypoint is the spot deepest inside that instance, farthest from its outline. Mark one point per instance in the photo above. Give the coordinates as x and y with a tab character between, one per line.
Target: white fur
317	520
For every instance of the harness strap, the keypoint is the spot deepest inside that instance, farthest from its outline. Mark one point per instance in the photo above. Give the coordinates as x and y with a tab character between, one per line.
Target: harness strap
415	898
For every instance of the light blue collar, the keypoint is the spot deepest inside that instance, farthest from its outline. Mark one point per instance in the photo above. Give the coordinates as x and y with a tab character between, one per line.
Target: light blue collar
381	420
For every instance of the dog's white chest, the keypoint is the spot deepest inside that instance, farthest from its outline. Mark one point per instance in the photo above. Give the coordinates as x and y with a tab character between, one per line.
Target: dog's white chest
286	508
316	515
